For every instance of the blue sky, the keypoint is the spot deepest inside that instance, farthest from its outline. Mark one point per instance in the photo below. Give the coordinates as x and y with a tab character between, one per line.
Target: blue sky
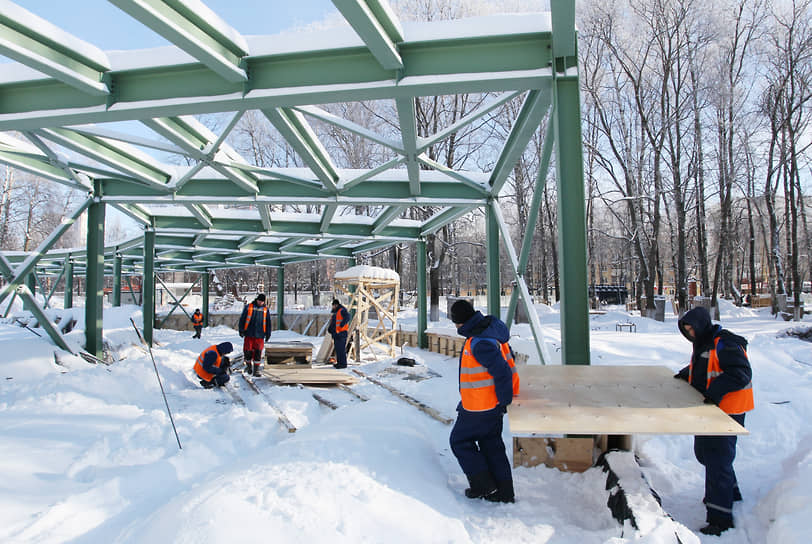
107	27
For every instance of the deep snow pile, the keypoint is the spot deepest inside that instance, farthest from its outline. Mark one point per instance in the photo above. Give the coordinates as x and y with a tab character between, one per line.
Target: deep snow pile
90	456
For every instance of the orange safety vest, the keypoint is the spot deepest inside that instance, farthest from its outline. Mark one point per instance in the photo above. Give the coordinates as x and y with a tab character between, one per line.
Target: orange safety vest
197	319
264	317
477	388
735	402
346	325
199	363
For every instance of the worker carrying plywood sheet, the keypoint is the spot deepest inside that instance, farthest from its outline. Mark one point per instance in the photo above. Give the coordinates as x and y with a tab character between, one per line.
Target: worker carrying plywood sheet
720	370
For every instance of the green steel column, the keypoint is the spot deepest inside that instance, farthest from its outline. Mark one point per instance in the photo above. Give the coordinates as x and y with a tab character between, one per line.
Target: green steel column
148	285
117	280
280	298
494	284
204	288
68	282
94	277
31	283
422	339
571	224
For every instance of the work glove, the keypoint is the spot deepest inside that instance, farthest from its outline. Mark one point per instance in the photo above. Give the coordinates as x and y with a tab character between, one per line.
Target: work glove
709	401
680	376
267	337
242	334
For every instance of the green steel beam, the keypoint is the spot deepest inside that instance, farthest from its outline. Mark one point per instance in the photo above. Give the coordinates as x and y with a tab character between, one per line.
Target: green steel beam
30	263
297	132
56	284
494	282
247	242
201	213
120	156
280	298
81	179
177	301
39	167
193	27
385	217
373	31
31	283
368	174
563	19
204	291
487	106
94	278
571	223
349	126
68	303
265	215
521	284
420	250
450	172
35	42
505	60
134	211
408	133
533	214
448	215
30	303
117	280
535	106
148	285
332	244
327	217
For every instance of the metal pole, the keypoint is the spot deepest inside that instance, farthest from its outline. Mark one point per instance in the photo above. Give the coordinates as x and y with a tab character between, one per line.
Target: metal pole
68	282
94	276
571	222
280	298
422	339
204	288
148	285
494	283
117	280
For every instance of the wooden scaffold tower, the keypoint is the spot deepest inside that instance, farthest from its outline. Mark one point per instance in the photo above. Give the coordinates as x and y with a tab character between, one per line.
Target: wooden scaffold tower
373	292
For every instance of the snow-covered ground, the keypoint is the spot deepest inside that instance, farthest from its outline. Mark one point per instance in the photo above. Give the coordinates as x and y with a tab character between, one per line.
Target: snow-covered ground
89	455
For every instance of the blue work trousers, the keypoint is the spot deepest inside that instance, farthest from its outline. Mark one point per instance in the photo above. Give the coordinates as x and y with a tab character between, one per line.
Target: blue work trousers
476	441
716	454
340	343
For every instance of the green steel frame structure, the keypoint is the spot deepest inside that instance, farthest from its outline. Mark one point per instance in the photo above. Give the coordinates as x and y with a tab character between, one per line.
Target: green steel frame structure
57	101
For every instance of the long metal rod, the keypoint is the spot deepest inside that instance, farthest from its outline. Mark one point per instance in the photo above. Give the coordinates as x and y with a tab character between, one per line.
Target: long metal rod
163	394
521	285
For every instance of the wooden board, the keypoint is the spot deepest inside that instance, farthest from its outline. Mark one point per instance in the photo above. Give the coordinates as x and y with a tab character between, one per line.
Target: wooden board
312	376
288	352
586	399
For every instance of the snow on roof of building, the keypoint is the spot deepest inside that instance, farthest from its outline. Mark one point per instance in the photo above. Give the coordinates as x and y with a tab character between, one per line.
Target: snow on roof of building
367	272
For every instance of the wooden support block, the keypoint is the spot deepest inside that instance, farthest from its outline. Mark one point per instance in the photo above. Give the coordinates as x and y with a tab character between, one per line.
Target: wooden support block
565	454
288	352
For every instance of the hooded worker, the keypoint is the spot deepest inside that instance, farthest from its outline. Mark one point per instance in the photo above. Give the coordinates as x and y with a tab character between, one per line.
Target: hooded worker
213	365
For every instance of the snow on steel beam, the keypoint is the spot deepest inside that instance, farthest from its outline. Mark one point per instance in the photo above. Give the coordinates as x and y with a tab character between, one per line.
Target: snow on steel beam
355	128
35	42
196	29
450	172
117	155
94	130
80	178
535	106
376	24
408	132
483	64
443	218
388	165
298	133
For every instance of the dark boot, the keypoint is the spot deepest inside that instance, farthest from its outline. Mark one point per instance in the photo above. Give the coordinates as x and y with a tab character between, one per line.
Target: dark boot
206	385
504	492
256	370
737	495
717	526
482	485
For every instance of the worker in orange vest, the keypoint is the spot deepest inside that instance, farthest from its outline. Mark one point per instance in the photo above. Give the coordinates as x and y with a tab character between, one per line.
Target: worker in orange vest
212	365
339	325
255	327
197	323
720	370
488	381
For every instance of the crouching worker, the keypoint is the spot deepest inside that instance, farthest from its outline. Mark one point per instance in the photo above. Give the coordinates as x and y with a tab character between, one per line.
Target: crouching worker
488	381
212	365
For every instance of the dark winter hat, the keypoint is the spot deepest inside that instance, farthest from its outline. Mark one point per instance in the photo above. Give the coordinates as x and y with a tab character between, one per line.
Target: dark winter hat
461	311
197	310
261	297
224	348
336	302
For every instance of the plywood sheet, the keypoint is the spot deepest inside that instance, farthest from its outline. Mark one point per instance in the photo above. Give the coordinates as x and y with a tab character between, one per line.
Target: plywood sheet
587	399
312	376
